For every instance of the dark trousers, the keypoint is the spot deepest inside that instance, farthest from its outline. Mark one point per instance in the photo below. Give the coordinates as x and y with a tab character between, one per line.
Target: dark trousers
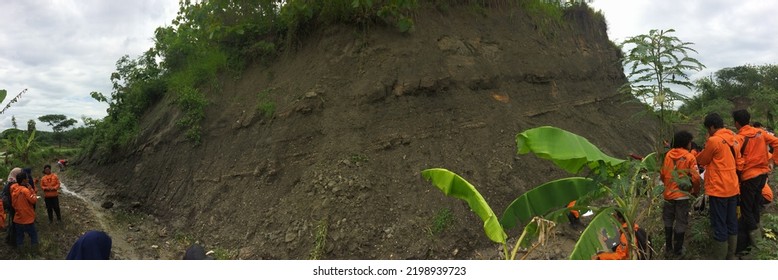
723	217
751	200
10	237
52	204
675	214
29	229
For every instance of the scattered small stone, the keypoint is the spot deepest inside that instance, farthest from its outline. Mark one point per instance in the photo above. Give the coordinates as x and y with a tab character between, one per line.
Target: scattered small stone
311	94
456	251
154	247
162	232
290	236
107	205
136	204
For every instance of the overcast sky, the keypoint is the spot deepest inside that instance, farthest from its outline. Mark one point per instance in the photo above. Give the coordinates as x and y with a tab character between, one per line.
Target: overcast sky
62	50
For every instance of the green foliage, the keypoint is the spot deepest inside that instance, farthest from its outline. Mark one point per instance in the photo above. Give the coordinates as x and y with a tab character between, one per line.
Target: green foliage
265	104
58	123
618	181
137	83
30	126
320	241
359	158
655	61
749	85
568	151
542	199
453	185
767	246
441	221
3	95
602	227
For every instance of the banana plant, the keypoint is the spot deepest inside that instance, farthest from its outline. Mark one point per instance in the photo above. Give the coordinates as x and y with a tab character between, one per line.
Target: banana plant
455	186
617	179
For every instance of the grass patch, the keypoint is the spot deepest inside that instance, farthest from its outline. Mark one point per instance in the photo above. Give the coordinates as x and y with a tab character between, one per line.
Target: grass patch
441	221
265	104
359	158
320	240
767	247
223	254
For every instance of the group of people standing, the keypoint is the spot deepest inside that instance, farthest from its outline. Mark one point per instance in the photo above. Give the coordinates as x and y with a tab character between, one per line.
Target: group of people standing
20	197
736	167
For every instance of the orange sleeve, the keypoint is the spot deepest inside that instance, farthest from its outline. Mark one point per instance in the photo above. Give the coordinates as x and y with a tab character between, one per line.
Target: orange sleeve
705	157
773	142
695	174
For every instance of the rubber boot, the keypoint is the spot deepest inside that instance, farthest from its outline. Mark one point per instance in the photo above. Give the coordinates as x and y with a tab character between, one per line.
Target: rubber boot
678	246
755	236
668	242
732	246
719	249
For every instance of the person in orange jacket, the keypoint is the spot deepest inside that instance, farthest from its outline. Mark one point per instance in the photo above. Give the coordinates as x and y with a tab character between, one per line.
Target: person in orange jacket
754	172
680	176
23	200
573	216
621	252
721	184
50	186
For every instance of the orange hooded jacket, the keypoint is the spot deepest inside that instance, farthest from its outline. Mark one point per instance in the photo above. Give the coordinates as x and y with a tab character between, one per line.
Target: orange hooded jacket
685	163
720	175
575	213
621	252
755	153
50	185
23	199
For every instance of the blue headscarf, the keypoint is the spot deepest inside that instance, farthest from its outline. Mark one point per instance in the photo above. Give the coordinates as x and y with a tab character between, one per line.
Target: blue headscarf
93	245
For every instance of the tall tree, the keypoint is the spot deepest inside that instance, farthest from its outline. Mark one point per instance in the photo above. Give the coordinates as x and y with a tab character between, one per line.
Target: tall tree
58	123
30	126
657	60
743	87
13	122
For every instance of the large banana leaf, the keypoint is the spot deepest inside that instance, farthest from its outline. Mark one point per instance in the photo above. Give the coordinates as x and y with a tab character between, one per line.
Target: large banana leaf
453	185
567	150
650	162
3	94
545	198
603	227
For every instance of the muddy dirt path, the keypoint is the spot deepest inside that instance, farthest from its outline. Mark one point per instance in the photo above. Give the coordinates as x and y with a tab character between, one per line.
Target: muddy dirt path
136	235
120	247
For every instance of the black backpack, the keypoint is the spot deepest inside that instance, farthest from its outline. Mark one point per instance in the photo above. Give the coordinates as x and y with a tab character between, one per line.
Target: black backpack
6	194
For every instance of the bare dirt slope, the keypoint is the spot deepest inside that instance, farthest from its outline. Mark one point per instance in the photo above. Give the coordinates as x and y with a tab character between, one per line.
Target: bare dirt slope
357	117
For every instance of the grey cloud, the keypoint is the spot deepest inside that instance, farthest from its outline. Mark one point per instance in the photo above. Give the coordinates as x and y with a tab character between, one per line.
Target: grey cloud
63	50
